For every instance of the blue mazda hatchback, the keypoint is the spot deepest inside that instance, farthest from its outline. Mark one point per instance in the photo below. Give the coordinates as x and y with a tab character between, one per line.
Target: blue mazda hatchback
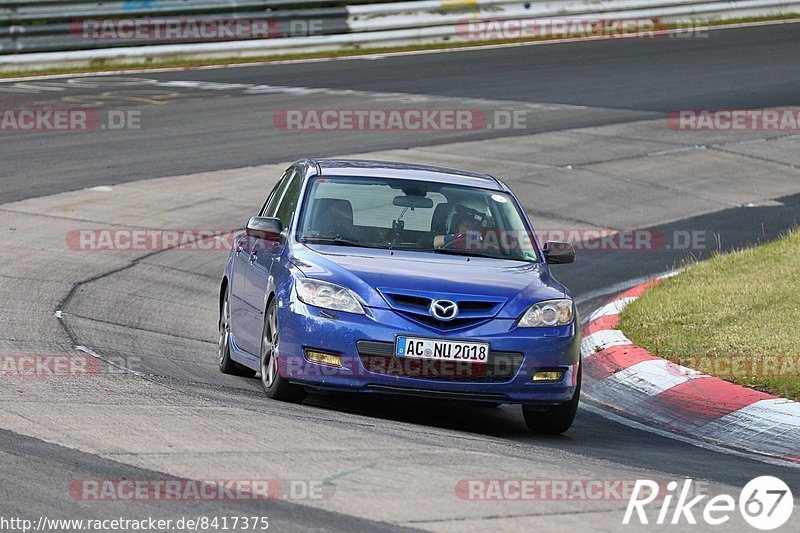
401	279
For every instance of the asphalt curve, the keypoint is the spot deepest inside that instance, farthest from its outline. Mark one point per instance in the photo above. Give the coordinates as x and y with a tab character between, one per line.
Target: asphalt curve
195	128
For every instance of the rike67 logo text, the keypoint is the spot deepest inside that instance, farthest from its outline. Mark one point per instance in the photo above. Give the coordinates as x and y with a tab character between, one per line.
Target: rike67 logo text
765	503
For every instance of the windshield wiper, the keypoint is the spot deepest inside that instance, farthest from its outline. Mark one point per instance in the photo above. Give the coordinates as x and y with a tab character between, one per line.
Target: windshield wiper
469	253
336	241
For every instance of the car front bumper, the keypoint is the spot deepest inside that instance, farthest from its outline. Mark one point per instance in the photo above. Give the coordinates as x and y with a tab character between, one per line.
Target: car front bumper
365	345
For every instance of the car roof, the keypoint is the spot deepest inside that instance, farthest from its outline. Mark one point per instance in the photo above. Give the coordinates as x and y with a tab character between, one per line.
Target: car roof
409	171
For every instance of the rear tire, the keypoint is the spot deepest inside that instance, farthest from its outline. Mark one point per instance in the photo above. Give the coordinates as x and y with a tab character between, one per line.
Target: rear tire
226	364
556	419
275	385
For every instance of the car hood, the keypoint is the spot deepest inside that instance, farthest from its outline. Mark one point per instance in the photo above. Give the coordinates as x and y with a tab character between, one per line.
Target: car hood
371	273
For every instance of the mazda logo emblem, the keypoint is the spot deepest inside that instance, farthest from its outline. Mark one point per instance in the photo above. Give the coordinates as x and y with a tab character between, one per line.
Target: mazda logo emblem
444	310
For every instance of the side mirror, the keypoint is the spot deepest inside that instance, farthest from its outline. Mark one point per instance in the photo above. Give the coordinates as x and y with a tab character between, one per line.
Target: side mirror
264	228
559	253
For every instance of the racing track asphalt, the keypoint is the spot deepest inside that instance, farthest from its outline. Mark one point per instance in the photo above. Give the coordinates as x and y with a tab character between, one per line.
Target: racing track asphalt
617	79
37	475
202	129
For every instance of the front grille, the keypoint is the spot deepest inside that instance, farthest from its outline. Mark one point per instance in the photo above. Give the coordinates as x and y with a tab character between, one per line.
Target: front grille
472	310
416	302
476	307
379	358
460	322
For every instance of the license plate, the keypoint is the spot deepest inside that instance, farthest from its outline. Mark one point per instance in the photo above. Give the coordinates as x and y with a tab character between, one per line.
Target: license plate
442	349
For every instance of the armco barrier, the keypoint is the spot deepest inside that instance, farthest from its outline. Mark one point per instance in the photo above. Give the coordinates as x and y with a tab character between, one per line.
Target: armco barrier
53	25
40	34
392	16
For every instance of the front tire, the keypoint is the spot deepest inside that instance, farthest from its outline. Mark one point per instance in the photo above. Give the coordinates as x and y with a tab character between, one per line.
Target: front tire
275	385
556	419
226	364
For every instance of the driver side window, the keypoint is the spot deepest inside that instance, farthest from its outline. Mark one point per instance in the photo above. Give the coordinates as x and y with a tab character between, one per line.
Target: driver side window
275	196
290	196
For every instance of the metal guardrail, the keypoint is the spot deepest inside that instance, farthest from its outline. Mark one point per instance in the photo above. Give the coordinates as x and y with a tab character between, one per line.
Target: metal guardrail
43	32
50	25
21	11
427	13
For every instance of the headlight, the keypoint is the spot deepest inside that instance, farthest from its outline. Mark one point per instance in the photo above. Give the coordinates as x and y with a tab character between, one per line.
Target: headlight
327	295
548	314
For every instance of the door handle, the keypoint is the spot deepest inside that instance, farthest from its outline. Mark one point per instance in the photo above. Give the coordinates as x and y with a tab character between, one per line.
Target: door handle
253	257
238	248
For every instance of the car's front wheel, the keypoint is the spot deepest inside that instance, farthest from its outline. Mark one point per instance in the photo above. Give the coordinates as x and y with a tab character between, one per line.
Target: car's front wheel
555	419
275	385
226	364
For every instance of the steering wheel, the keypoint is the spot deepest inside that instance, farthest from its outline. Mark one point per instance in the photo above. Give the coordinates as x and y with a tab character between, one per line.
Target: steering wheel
459	238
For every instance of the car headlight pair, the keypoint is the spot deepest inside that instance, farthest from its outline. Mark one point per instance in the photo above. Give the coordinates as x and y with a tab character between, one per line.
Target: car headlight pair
548	314
327	295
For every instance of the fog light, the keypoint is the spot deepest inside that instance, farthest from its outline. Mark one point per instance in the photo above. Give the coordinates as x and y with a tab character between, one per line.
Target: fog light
324	358
548	375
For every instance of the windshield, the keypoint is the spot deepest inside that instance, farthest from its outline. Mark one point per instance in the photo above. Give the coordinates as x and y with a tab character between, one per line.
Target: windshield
412	215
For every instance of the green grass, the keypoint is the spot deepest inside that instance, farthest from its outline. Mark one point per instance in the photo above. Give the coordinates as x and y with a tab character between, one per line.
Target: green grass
112	65
736	316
